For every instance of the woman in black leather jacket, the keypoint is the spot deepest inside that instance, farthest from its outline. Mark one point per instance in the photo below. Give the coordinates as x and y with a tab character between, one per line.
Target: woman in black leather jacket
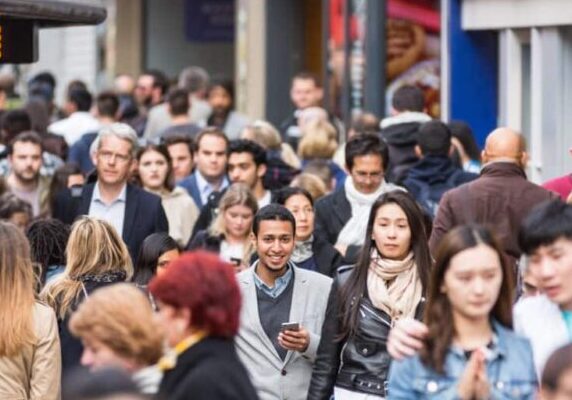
388	282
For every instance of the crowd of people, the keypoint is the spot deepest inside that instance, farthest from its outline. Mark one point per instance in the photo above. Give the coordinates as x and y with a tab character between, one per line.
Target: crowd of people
156	243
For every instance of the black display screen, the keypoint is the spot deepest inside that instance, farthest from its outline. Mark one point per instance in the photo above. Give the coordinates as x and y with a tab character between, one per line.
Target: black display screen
18	41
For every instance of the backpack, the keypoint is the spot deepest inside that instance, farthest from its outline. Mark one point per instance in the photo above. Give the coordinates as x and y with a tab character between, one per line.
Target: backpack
429	197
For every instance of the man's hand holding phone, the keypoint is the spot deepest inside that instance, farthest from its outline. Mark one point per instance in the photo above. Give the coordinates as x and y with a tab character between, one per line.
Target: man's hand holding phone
294	336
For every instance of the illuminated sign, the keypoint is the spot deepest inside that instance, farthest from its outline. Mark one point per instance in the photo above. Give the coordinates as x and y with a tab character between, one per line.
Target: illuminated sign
18	41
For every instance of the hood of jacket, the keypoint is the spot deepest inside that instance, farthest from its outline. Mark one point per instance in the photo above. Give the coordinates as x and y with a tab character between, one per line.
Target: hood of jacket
432	169
401	129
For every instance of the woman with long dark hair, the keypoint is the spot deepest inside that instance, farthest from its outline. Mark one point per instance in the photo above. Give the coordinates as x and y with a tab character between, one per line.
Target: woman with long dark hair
387	283
470	351
157	251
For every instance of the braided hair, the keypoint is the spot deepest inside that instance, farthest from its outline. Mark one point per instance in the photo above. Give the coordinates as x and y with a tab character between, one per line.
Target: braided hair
48	239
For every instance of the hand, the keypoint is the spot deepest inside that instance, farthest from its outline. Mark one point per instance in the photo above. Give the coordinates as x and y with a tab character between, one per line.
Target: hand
468	382
295	340
482	387
406	338
342	249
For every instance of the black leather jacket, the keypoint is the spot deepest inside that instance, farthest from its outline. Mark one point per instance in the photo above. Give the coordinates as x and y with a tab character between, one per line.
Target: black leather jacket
359	363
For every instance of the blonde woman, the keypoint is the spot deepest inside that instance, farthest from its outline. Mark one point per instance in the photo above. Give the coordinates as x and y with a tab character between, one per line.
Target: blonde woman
228	235
30	364
96	256
116	328
266	135
319	143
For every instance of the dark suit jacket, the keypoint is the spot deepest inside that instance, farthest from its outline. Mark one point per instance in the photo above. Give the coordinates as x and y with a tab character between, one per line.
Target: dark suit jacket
144	213
209	370
191	186
332	213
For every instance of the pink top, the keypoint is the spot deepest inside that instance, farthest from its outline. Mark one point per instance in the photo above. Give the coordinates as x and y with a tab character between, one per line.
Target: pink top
562	186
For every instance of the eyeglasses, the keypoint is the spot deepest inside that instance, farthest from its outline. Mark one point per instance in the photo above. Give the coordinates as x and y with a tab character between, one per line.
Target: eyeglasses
108	156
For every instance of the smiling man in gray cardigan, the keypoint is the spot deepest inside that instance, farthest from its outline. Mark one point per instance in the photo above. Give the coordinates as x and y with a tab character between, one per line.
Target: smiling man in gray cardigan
274	292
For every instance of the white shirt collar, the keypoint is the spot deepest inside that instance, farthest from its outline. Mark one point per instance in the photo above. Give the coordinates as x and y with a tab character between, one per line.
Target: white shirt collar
97	194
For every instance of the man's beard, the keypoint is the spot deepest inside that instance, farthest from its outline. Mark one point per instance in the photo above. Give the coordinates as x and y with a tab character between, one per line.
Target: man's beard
25	179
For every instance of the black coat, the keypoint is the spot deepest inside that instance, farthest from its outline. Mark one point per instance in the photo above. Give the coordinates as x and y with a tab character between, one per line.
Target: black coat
209	370
144	213
332	213
327	257
359	363
203	240
71	346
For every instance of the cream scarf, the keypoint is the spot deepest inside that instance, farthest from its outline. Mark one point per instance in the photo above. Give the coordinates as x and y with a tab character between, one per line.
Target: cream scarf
400	298
353	232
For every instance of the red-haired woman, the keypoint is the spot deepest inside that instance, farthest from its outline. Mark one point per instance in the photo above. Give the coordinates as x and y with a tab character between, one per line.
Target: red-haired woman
199	308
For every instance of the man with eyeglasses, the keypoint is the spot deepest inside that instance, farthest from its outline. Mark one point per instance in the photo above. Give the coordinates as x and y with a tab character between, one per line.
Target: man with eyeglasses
133	212
341	217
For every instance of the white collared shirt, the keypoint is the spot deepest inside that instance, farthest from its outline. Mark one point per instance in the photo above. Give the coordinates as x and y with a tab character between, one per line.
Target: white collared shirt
205	188
114	213
74	126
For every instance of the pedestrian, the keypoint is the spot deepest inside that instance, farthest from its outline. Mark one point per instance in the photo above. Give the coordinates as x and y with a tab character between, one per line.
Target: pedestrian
199	306
283	310
155	174
95	257
341	216
556	380
470	350
387	283
116	326
310	251
30	363
229	233
48	239
157	251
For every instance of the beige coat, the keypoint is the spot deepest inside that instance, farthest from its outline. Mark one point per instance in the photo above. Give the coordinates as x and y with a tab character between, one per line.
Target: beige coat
182	213
35	374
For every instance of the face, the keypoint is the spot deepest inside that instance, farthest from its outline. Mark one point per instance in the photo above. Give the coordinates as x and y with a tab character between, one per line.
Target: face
181	160
238	221
174	322
530	285
391	232
75	180
26	160
219	99
473	281
551	265
20	219
367	173
242	169
274	244
303	212
305	93
564	389
153	169
211	157
165	259
113	160
144	89
97	356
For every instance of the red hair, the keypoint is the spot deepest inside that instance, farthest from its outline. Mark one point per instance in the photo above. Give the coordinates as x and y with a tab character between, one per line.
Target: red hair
202	283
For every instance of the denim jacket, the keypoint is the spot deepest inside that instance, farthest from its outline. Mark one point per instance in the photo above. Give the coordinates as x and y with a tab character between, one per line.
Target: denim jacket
510	371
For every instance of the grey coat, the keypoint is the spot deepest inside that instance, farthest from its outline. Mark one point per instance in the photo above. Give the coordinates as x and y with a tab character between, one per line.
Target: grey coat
274	378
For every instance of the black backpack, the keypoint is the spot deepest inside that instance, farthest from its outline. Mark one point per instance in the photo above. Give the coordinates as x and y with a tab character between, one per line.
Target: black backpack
429	197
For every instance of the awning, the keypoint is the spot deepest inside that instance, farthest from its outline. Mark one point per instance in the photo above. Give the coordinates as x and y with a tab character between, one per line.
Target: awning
55	13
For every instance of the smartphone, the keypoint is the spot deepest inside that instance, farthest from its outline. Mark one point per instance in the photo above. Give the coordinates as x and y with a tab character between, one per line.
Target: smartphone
290	326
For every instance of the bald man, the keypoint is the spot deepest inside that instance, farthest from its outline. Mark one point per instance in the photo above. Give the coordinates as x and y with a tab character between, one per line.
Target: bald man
501	197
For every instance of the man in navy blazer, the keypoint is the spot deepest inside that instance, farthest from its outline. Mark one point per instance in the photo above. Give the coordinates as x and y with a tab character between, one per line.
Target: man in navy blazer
210	172
133	212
